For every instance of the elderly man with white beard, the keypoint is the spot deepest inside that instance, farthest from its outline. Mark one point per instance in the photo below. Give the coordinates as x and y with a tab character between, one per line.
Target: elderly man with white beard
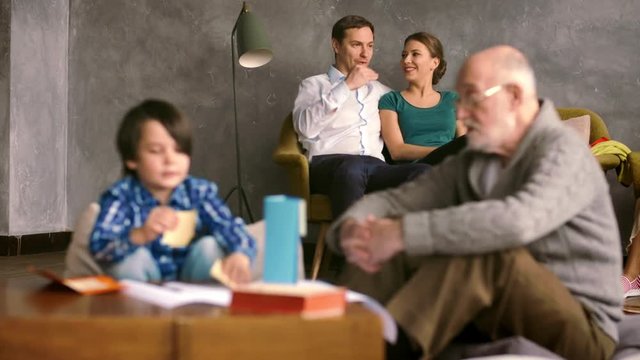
515	235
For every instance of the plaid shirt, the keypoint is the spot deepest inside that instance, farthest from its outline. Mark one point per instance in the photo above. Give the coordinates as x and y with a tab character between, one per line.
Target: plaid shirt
127	204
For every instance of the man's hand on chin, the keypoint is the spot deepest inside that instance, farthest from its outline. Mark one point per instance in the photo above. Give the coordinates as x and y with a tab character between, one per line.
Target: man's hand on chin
359	76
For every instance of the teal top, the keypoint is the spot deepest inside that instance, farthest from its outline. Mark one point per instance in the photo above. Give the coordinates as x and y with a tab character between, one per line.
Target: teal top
434	126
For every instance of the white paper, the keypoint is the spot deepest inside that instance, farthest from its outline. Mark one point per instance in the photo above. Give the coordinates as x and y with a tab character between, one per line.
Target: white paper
389	329
174	294
210	294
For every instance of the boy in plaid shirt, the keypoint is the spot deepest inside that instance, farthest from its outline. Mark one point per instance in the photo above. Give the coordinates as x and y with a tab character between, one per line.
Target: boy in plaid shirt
154	142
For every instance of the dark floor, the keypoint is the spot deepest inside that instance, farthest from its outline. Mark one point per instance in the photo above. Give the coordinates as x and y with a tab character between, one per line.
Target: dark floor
16	266
12	267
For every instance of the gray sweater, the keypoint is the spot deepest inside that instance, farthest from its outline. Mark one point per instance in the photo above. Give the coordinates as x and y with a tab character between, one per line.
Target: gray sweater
552	198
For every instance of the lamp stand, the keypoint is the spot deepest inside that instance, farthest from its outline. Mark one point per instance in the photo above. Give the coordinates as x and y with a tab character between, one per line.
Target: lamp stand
242	196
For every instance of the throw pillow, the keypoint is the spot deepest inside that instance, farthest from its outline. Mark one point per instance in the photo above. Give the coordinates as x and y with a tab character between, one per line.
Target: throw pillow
582	125
78	260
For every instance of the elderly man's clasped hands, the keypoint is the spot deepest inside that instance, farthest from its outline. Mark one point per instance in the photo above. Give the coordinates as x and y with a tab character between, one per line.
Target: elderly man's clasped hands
368	243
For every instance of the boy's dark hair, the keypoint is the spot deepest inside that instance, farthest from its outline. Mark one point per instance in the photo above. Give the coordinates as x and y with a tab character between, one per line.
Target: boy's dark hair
349	22
130	129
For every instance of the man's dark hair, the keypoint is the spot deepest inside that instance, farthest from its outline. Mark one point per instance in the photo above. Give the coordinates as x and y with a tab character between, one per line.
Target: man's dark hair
349	22
130	130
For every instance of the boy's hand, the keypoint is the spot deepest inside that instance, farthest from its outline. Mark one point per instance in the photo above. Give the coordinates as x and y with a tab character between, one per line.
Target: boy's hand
161	219
236	267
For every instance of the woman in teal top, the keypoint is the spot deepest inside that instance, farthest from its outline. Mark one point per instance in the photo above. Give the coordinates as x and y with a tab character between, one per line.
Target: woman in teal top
418	120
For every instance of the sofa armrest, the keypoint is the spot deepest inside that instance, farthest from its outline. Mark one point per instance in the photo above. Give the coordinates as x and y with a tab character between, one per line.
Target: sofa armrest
297	167
289	155
608	161
634	163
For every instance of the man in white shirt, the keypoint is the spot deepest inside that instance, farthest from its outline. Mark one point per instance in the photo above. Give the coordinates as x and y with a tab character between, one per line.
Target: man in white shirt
337	121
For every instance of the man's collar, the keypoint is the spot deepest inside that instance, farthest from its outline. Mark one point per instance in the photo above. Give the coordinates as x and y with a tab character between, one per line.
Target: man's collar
335	75
141	194
179	196
547	113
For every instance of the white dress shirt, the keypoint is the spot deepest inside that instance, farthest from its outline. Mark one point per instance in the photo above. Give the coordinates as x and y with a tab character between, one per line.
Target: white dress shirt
331	119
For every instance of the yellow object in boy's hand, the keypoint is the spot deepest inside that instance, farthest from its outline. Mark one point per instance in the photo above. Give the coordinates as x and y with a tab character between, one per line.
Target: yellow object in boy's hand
184	231
237	266
217	273
234	270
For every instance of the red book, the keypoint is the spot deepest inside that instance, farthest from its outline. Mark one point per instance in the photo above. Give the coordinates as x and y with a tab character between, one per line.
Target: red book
308	299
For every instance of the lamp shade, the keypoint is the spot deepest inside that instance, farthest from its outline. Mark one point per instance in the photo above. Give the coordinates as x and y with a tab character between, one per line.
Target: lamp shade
254	49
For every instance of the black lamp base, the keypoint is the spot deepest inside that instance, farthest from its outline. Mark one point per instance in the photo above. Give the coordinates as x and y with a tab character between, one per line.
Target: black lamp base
242	199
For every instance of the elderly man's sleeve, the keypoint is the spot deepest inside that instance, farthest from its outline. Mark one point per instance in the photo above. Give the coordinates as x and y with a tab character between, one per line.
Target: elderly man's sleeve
562	183
434	189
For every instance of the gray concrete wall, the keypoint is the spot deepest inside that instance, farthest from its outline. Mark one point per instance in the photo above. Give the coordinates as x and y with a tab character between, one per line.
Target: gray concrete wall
585	53
119	52
5	43
122	52
38	116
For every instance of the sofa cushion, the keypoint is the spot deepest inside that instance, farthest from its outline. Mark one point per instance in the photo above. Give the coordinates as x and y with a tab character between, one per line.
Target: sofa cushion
582	125
629	337
520	348
78	260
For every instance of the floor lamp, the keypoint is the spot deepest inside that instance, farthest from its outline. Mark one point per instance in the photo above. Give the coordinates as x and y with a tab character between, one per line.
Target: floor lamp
253	50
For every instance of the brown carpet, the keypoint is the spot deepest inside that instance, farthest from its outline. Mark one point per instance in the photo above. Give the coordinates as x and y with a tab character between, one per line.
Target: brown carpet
16	266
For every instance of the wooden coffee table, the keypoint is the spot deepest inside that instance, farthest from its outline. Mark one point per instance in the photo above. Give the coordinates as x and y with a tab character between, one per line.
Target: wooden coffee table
41	321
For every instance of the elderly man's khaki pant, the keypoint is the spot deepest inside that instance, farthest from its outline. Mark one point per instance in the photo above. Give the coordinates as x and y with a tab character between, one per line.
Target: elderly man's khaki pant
503	294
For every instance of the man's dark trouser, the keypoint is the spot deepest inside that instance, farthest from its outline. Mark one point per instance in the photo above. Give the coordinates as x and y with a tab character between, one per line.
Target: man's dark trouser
503	294
346	178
